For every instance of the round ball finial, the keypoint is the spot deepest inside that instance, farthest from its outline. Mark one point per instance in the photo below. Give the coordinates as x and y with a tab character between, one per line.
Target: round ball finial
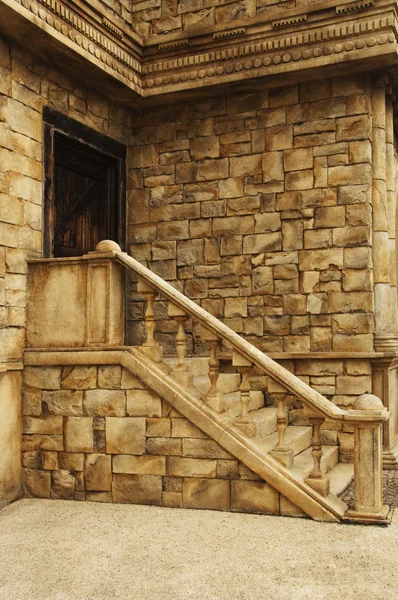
368	402
108	246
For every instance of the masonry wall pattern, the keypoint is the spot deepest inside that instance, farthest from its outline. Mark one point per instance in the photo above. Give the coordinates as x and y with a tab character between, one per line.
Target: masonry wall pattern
258	207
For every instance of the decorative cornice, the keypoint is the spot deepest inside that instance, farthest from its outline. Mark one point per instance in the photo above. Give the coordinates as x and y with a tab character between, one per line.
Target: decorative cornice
296	42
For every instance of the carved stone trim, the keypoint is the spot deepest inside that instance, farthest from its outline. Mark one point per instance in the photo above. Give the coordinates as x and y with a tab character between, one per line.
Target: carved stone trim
353	6
229	33
115	30
173	45
292	21
270	61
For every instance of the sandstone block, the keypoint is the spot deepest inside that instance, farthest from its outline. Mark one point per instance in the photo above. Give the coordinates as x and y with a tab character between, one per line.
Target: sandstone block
205	147
78	433
360	152
172	499
210	170
254	497
319	260
46	378
125	435
357	280
63	402
137	489
143	403
227	469
158	428
164	446
191	467
350	384
109	377
277	325
330	216
203	449
352	343
130	381
190	252
98	472
37	484
298	159
177	230
42	442
79	378
139	465
264	242
350	175
295	304
299	180
63	485
351	236
267	222
345	302
231	188
47	425
279	137
235	307
164	250
292	235
206	494
353	128
297	343
71	461
272	166
105	403
229	226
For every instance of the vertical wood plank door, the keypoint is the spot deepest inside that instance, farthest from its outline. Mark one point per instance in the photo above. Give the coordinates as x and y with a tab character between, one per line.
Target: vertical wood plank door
84	187
85	190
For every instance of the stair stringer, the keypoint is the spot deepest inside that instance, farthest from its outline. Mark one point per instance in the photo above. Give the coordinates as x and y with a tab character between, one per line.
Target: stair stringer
216	427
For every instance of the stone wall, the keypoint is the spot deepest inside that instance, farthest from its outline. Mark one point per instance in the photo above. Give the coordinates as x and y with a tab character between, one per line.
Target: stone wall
25	87
258	207
95	433
174	16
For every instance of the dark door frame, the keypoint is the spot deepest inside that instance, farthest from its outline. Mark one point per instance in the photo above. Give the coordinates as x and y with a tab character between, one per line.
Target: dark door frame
54	121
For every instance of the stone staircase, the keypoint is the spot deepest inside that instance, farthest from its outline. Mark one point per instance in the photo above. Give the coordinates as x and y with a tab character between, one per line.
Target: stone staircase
257	429
261	425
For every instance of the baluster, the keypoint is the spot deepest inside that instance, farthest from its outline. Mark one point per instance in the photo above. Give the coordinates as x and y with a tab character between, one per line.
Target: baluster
213	398
245	390
150	347
181	370
319	482
281	451
244	422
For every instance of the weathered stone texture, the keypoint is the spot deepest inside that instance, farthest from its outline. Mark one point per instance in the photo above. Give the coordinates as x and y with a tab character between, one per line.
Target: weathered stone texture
155	457
274	179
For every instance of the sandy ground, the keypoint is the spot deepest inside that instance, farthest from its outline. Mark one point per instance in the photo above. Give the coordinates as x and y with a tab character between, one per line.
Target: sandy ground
58	550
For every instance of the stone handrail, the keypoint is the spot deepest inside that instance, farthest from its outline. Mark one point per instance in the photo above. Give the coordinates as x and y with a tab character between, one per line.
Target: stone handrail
311	398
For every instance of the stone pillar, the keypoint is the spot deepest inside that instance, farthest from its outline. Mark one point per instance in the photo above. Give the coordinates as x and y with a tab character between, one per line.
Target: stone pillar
385	339
368	417
391	204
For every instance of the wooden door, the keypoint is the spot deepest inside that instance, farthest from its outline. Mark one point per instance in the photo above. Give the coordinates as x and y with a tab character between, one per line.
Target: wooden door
84	198
84	187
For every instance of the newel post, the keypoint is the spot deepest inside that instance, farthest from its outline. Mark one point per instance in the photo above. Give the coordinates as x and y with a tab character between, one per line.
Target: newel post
104	296
368	418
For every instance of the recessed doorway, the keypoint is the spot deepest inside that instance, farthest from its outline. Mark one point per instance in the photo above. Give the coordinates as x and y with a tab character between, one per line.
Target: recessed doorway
84	193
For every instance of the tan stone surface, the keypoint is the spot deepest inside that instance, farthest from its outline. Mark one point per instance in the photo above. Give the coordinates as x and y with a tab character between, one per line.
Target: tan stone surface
143	403
78	432
105	403
137	489
253	496
206	494
125	435
98	472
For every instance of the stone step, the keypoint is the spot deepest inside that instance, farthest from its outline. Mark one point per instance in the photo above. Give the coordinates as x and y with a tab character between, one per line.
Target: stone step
340	477
199	365
304	461
229	404
258	423
296	438
226	383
